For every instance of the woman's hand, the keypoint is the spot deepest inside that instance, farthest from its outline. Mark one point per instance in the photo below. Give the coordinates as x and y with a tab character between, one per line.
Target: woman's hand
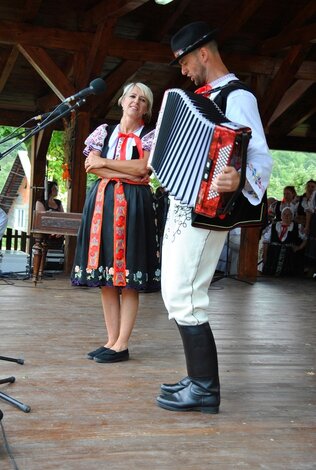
94	161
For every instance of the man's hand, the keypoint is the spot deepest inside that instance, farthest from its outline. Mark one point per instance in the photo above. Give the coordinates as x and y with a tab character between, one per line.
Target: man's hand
227	181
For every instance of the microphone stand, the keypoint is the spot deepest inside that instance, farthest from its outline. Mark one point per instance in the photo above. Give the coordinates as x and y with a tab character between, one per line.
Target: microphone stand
227	268
47	122
7	398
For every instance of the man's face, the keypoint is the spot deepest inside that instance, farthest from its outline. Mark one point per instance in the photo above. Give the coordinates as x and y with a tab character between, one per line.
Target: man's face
192	67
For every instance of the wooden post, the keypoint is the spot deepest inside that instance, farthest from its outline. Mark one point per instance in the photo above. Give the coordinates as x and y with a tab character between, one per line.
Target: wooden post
77	192
248	254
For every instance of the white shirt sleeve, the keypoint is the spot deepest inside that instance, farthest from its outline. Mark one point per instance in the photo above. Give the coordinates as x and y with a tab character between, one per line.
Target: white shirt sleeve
242	108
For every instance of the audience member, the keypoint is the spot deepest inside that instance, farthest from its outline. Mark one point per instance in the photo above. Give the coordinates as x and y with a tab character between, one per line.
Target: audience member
310	230
303	201
289	200
51	203
286	241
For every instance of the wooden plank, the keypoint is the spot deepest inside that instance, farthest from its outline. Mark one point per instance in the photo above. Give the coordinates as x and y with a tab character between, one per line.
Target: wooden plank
59	223
92	416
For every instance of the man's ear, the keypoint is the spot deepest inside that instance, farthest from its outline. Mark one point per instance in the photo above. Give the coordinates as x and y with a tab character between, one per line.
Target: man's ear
203	53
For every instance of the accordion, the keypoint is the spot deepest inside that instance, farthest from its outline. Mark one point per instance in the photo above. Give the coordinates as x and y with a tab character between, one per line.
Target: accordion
193	142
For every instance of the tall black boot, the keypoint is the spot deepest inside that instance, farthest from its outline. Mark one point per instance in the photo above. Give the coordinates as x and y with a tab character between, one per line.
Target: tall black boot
202	392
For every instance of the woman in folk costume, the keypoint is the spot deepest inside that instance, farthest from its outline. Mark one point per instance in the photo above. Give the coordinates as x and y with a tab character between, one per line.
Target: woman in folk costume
286	242
117	247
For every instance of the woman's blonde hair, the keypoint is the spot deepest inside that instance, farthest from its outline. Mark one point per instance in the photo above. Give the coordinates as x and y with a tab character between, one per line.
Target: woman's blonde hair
147	93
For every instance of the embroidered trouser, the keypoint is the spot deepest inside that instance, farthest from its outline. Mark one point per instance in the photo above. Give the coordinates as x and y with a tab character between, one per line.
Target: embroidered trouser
189	259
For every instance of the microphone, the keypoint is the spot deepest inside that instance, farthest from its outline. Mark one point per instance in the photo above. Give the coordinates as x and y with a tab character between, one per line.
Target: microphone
96	86
62	108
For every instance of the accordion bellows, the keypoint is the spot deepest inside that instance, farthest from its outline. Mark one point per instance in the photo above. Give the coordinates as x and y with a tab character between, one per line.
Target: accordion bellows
193	142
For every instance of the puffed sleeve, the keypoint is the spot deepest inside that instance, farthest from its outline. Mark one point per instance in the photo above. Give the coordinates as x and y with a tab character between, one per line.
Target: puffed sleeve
95	140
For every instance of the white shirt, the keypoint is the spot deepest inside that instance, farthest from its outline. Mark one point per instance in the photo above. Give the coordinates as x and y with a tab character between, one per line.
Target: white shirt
242	108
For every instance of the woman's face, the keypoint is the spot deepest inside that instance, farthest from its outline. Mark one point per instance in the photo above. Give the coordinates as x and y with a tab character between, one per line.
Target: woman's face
287	217
134	103
310	187
288	195
54	191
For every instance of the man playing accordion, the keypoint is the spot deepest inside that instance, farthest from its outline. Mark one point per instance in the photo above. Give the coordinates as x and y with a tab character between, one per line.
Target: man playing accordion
190	254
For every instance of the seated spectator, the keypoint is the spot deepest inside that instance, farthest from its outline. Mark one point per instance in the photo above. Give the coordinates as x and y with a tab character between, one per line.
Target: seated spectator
289	200
286	241
310	230
55	242
303	201
51	203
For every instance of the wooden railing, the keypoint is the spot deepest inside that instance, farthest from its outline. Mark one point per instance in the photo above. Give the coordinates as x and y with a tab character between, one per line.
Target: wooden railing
14	240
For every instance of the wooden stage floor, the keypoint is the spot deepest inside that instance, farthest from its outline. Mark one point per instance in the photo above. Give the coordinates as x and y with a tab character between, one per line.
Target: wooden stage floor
90	416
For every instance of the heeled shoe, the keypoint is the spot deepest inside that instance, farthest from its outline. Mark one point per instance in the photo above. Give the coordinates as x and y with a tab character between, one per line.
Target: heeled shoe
94	353
167	389
112	356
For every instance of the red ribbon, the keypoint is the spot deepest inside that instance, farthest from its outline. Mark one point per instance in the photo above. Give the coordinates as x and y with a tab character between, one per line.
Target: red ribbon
125	138
283	231
204	90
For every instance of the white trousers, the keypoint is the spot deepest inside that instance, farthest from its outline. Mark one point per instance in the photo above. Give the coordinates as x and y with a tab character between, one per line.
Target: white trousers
189	260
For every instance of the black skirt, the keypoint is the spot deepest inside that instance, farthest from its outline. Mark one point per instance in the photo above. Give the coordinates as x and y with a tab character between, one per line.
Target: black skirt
142	240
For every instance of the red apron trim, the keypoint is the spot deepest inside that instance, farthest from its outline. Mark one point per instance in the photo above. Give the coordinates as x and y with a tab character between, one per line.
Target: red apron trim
125	138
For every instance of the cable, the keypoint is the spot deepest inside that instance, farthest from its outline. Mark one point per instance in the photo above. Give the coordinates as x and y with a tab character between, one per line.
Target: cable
6	444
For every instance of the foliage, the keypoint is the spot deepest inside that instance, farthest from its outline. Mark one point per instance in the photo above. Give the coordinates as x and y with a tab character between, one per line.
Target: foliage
291	168
9	136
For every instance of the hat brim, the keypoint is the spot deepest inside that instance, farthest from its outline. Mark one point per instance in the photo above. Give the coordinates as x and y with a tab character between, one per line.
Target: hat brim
208	37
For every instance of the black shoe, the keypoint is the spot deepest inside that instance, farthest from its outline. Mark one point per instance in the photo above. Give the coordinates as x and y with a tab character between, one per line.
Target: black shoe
192	398
167	389
92	354
112	356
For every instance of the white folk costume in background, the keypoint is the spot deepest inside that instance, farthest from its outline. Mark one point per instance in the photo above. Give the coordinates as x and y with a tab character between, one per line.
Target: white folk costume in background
190	254
118	242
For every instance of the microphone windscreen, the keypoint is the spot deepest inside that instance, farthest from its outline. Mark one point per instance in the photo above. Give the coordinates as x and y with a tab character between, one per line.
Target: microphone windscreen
98	86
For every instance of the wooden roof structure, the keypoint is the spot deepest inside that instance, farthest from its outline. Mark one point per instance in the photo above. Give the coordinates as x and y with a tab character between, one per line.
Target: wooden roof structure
51	49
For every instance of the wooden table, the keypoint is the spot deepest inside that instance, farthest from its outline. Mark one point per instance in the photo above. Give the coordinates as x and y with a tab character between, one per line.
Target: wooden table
50	223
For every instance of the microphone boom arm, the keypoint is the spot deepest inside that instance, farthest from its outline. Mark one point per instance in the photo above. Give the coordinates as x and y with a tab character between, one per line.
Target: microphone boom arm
42	125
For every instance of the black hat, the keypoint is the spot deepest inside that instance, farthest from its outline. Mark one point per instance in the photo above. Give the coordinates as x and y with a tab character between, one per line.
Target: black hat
190	37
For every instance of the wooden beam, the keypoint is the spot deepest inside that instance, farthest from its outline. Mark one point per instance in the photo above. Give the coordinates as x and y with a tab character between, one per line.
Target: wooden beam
114	83
98	50
306	34
31	9
48	70
282	80
53	38
237	18
298	144
298	114
248	254
131	49
6	71
291	96
105	10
